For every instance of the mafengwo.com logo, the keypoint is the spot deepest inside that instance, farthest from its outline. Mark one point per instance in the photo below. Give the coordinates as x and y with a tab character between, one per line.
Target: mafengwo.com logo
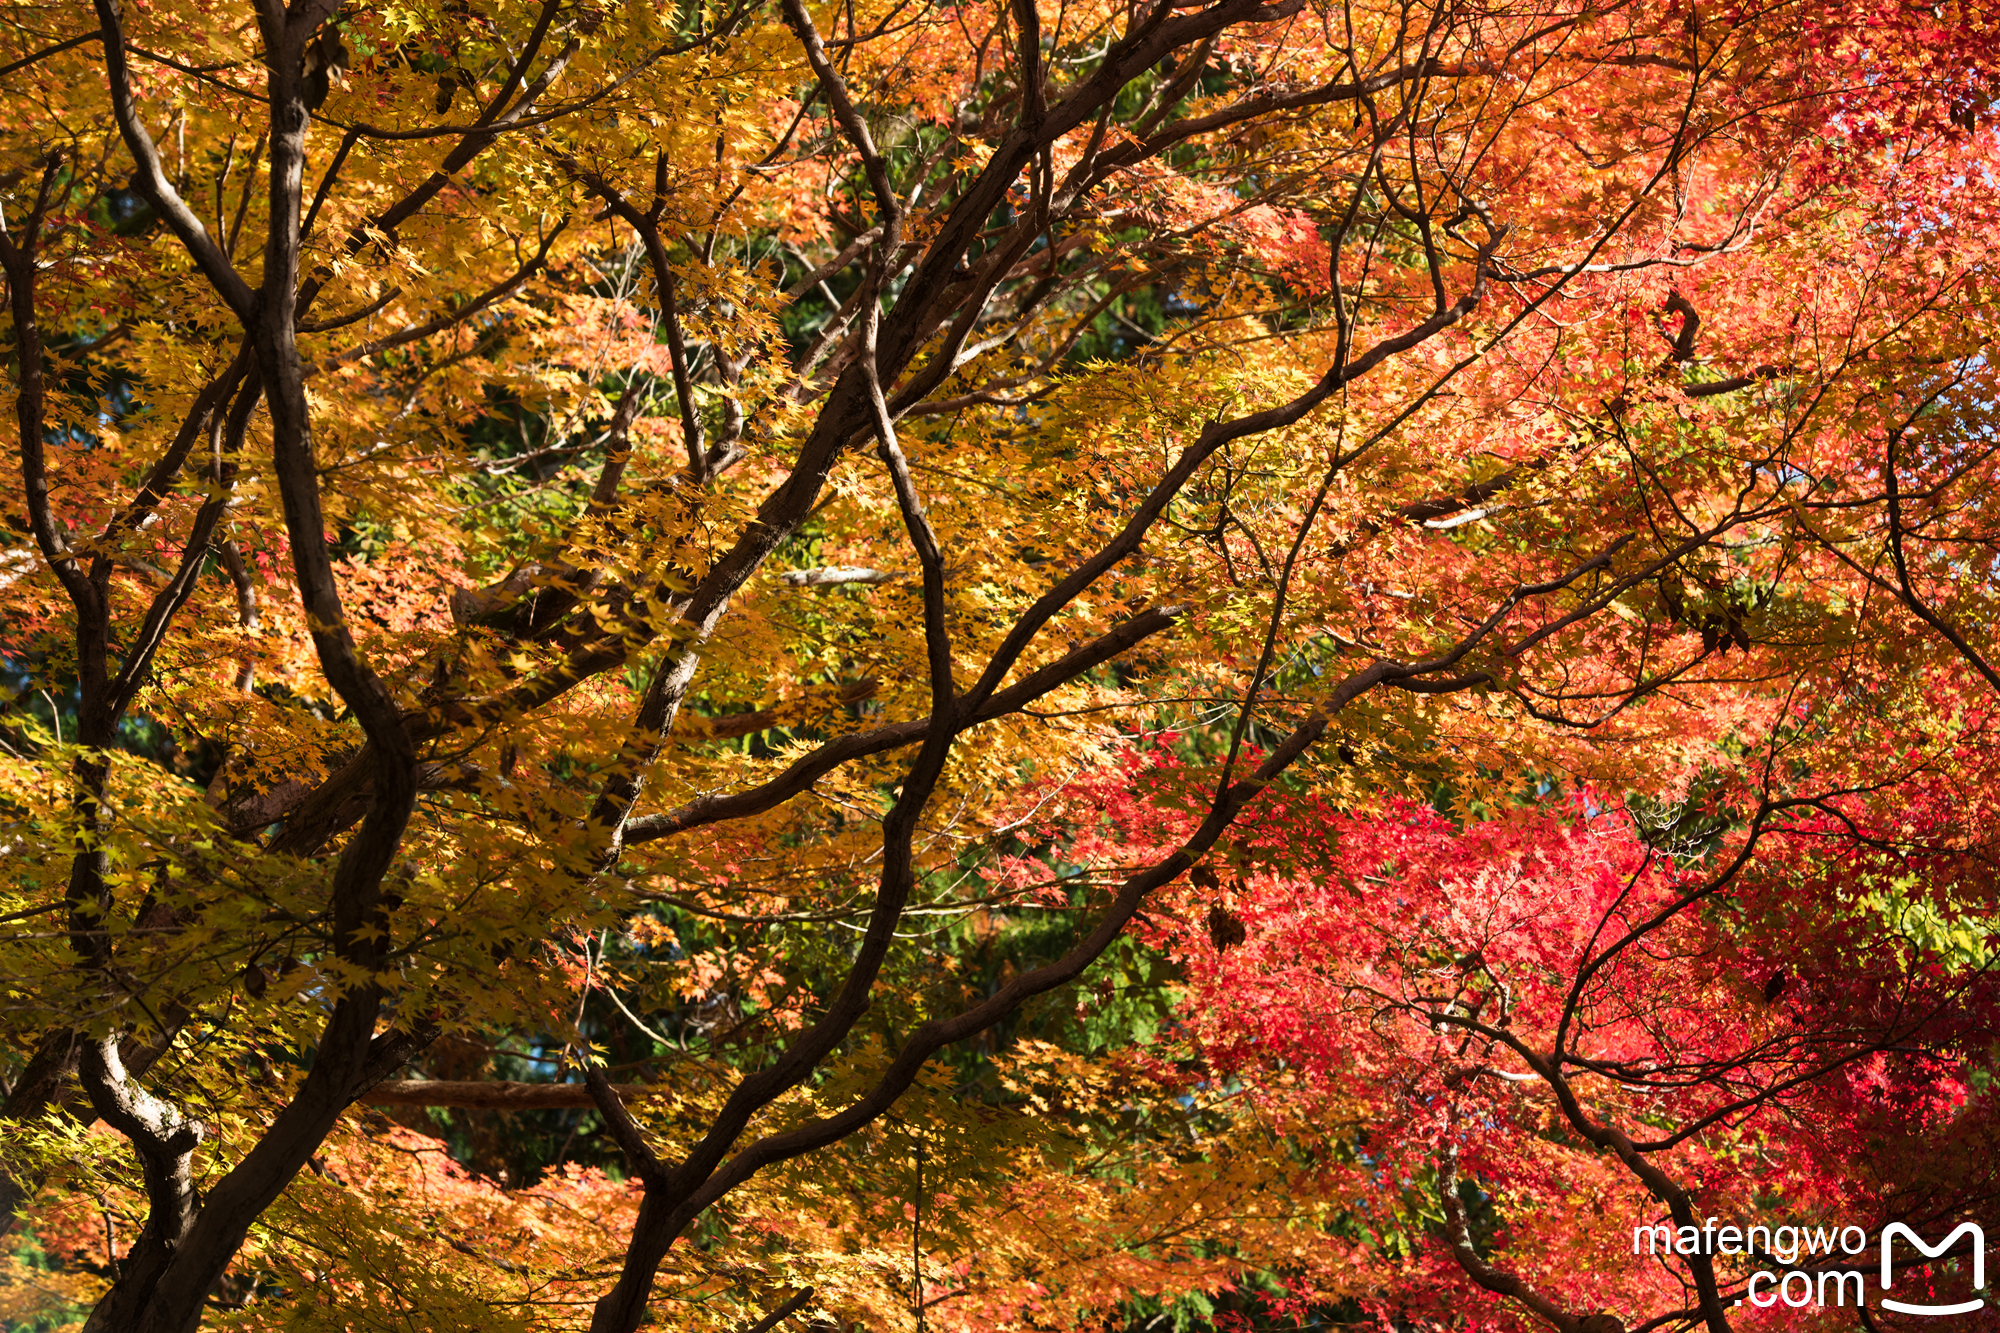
1815	1266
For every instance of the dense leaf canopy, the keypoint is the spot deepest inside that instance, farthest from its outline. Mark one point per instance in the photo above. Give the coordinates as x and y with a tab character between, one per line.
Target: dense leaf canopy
1035	665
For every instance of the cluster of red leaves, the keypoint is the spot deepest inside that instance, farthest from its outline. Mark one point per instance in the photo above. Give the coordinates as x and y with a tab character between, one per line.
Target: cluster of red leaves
1801	1040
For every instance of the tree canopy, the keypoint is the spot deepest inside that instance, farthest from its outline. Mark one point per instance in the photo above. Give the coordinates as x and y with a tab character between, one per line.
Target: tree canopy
1037	665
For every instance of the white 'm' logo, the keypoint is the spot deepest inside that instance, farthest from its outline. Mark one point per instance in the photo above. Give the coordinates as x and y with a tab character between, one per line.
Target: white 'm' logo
1895	1229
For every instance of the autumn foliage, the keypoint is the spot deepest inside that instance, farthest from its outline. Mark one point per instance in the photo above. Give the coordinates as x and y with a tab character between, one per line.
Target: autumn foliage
1035	665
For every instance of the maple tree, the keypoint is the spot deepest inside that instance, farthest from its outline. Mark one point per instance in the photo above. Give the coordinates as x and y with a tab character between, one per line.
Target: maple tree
714	560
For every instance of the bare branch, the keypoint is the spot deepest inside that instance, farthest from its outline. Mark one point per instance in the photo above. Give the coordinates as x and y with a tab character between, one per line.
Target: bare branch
151	177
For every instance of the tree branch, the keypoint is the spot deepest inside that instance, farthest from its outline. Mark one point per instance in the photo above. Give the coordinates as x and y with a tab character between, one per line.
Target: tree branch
151	176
